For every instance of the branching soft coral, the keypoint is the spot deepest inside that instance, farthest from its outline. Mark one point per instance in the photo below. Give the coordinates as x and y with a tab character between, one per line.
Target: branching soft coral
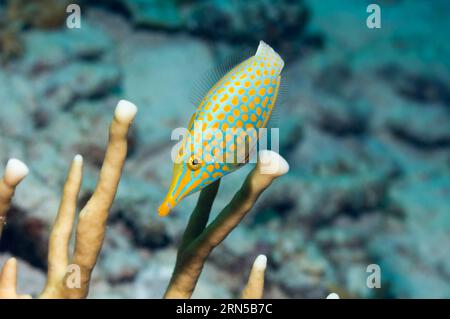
200	239
197	243
91	226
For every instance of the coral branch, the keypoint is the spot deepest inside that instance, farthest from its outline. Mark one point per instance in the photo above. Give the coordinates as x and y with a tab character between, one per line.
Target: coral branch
192	256
255	285
15	172
200	215
92	219
58	252
8	281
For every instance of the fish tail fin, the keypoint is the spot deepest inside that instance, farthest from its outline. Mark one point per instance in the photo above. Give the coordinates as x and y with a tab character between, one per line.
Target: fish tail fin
265	50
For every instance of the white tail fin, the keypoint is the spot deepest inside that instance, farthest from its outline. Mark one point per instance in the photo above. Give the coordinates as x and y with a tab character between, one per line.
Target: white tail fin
266	51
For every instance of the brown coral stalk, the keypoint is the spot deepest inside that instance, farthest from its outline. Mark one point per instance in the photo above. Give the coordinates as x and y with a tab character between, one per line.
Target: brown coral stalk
255	285
92	218
199	240
8	281
15	172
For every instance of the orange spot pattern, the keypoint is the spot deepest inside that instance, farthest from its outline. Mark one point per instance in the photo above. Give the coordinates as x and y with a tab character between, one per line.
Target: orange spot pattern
242	100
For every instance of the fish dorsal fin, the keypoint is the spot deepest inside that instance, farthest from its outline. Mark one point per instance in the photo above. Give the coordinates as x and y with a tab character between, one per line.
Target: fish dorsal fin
206	81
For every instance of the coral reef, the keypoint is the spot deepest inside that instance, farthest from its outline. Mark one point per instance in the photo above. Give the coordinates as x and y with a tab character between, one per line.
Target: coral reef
364	127
197	243
90	229
199	240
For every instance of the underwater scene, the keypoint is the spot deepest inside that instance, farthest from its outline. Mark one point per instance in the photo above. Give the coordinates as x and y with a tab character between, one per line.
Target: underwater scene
348	195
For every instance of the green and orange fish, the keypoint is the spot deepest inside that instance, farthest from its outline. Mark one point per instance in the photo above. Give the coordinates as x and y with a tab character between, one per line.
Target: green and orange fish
226	121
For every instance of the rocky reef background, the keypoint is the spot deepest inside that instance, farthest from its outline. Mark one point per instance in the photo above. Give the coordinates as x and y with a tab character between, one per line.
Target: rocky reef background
365	126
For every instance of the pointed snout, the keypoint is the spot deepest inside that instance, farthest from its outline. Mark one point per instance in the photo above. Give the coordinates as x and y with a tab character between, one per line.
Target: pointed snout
166	207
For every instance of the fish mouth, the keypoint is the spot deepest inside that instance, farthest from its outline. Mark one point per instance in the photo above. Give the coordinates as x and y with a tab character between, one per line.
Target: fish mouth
169	202
166	207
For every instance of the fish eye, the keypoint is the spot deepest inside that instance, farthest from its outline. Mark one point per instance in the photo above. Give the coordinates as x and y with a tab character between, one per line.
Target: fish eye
194	163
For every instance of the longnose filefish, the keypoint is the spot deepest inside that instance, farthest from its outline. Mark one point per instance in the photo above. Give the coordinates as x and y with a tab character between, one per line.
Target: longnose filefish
228	118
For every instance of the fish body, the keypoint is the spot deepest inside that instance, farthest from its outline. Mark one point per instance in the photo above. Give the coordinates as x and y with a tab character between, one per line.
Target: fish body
224	128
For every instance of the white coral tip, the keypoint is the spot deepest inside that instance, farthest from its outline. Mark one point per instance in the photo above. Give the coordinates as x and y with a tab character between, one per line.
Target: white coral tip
333	295
78	159
125	111
272	163
260	262
15	172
